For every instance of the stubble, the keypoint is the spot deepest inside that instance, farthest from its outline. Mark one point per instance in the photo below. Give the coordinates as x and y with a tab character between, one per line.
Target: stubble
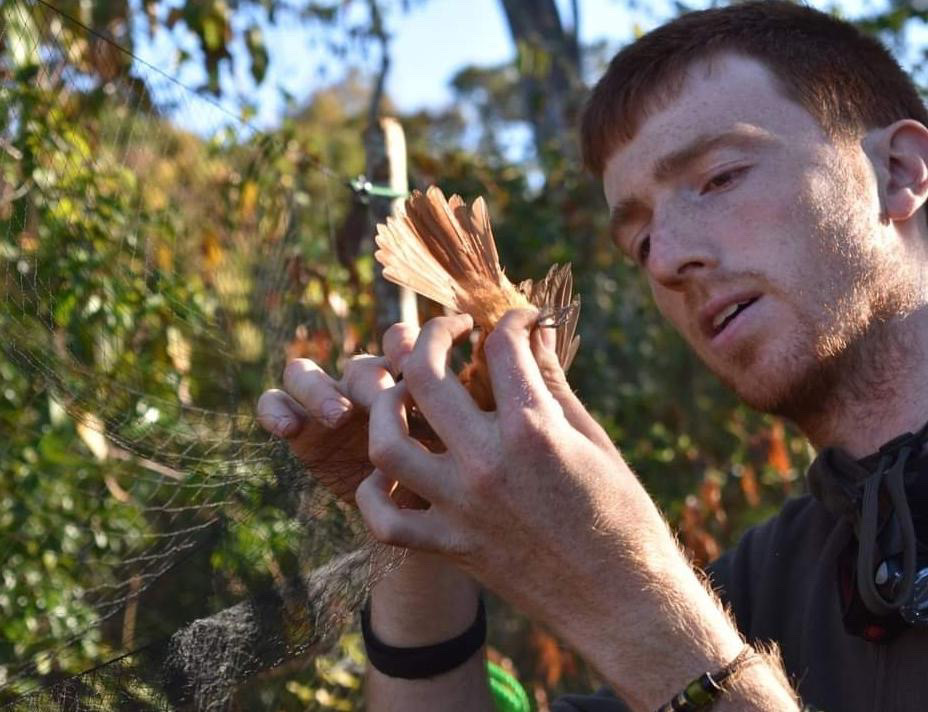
851	298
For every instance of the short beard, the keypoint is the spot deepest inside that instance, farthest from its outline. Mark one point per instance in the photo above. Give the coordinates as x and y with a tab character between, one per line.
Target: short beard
863	369
855	353
827	385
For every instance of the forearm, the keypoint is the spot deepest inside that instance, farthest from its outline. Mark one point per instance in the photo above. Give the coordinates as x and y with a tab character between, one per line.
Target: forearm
663	628
423	602
691	634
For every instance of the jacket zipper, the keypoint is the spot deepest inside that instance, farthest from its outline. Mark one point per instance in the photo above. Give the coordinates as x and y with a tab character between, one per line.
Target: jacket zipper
879	679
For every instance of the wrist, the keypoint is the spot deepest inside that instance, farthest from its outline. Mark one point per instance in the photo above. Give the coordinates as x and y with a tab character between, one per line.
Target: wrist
654	628
424	661
424	601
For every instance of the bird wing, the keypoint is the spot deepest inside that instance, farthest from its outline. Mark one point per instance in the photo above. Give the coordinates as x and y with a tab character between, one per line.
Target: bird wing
444	251
554	296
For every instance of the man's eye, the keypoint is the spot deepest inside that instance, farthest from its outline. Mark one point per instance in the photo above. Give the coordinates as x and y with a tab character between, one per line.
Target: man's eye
644	249
721	180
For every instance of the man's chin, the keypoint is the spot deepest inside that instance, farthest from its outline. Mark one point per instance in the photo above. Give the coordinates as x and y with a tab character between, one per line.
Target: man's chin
790	388
783	373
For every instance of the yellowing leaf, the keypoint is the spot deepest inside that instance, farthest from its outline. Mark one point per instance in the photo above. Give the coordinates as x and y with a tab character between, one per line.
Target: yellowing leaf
777	455
164	258
211	249
249	199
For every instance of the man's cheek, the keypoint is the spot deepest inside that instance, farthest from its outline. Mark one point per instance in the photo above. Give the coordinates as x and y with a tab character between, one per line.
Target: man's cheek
672	306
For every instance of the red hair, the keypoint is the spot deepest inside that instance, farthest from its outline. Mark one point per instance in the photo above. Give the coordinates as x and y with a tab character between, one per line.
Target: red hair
847	80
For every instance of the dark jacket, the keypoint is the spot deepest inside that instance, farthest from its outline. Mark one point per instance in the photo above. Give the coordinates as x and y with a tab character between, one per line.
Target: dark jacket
783	583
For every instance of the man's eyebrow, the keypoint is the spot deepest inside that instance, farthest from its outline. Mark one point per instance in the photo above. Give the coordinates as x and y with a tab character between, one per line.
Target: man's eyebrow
677	161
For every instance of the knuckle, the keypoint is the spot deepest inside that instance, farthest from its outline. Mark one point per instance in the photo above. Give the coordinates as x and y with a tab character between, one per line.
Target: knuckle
393	332
267	401
500	340
382	453
303	379
485	474
398	345
484	479
399	334
439	327
363	376
294	370
359	364
418	368
432	326
387	532
549	366
523	427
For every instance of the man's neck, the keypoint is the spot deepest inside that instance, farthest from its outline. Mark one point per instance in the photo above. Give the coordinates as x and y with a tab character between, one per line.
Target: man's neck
884	395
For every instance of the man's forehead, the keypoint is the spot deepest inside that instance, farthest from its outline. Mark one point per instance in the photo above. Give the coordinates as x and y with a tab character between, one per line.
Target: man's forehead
726	93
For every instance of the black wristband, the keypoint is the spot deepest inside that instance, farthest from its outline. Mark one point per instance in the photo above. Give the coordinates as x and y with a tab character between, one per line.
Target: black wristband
426	660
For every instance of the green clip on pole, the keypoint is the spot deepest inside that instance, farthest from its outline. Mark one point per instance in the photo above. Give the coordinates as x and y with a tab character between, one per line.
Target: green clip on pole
363	187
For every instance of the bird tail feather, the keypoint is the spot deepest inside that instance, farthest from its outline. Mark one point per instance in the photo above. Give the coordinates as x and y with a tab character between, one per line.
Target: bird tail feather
442	250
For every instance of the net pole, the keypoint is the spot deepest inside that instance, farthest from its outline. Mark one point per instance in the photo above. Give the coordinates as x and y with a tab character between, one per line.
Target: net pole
385	150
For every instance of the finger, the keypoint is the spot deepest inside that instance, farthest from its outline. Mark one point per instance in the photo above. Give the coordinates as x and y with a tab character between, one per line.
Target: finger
411	528
364	378
317	392
338	460
543	345
406	460
514	374
280	414
439	395
398	342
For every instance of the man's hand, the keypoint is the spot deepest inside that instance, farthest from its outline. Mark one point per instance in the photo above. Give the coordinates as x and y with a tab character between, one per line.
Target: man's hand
529	497
535	501
426	600
325	421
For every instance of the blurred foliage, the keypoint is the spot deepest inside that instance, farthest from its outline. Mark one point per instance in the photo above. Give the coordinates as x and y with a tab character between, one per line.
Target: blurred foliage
149	272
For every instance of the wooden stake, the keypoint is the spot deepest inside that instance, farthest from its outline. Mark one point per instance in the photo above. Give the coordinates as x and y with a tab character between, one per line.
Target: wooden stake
385	148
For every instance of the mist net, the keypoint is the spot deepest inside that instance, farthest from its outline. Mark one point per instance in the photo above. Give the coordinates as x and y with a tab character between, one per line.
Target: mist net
159	259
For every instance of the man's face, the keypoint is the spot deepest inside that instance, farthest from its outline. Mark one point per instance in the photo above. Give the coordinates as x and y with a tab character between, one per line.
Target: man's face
759	235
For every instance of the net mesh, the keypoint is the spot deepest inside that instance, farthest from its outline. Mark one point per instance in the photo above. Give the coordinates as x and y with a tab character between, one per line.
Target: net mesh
138	325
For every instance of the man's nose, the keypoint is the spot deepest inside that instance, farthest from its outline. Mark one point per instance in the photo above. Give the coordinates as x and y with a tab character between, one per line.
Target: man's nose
679	254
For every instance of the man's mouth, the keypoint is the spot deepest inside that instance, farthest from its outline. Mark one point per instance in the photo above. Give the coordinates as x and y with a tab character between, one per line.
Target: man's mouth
726	316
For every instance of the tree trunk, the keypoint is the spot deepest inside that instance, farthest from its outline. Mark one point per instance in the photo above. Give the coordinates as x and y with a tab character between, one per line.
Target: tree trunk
548	58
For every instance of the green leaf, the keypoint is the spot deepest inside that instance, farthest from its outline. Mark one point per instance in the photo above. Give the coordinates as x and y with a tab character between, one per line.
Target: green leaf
55	449
20	34
254	40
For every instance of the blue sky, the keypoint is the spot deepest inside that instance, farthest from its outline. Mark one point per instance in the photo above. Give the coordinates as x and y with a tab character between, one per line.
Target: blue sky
430	42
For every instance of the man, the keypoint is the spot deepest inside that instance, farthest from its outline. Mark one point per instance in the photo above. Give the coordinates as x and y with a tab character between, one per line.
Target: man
767	167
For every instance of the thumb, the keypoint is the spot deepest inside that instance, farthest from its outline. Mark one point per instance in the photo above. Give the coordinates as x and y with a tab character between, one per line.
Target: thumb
543	344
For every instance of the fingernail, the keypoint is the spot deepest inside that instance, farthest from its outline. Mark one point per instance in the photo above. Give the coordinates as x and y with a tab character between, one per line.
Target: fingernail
334	411
283	427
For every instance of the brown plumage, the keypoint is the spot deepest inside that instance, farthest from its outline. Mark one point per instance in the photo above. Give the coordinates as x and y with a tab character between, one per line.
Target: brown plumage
445	251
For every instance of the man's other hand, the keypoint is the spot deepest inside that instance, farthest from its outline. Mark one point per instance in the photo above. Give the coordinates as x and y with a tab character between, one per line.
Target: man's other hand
325	420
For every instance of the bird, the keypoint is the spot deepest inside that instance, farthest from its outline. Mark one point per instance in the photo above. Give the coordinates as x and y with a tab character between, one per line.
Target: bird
444	250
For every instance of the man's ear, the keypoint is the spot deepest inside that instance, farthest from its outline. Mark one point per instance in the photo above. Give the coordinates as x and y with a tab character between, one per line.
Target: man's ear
899	153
